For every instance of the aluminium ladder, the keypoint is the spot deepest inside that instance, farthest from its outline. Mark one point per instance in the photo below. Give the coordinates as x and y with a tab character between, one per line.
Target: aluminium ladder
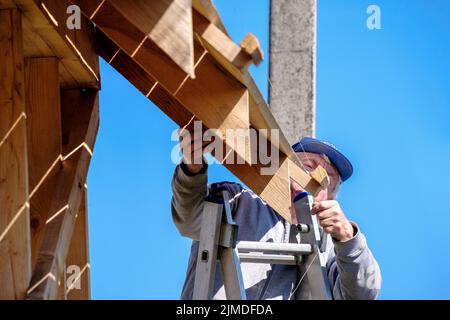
218	241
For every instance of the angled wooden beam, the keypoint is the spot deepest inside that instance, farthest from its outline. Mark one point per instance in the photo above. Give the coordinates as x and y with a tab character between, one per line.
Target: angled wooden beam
223	95
235	60
207	9
15	261
77	262
140	25
167	23
89	7
215	88
43	107
223	48
80	120
143	81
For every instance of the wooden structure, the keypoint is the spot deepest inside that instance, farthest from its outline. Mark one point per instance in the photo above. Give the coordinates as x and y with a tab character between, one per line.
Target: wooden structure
176	52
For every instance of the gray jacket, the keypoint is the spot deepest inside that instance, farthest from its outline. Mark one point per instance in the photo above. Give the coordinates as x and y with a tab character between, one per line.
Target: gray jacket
352	270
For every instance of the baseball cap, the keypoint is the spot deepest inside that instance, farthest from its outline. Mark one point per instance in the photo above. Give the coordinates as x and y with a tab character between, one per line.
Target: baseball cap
342	164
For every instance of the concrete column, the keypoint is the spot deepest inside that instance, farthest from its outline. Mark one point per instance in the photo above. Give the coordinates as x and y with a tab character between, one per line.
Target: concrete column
292	59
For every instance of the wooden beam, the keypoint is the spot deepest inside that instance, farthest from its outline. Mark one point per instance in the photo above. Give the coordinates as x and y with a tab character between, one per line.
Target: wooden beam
219	101
250	45
78	285
143	81
15	261
221	46
235	60
167	23
74	48
80	41
89	7
207	9
43	107
211	84
223	95
80	120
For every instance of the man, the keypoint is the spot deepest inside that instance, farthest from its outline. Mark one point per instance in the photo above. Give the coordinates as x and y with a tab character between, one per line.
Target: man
352	270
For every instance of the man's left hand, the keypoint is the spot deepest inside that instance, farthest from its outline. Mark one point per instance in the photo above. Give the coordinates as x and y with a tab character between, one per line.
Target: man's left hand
332	219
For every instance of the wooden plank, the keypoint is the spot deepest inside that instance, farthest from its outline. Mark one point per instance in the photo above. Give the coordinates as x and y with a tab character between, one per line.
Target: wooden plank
15	262
126	66
89	7
167	23
250	45
221	46
234	60
125	33
207	9
35	46
217	99
78	285
7	4
81	41
80	120
212	90
321	176
44	140
44	119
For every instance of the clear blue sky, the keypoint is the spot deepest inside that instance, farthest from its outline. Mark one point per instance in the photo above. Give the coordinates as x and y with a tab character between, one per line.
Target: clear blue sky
382	97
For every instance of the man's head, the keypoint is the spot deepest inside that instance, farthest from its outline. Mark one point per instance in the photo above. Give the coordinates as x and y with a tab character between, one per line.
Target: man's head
312	153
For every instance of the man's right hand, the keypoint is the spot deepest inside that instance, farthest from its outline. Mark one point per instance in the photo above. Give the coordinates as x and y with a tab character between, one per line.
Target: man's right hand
192	149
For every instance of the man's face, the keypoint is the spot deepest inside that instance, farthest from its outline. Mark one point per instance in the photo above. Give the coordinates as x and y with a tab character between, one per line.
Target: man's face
310	162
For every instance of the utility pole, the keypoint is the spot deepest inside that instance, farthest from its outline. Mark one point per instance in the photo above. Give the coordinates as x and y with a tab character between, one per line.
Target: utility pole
292	56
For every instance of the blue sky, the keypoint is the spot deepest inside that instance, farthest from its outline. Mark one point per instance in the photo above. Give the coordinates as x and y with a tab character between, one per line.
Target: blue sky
382	97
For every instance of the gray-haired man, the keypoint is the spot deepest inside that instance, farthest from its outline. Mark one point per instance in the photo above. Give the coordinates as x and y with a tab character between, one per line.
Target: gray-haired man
352	270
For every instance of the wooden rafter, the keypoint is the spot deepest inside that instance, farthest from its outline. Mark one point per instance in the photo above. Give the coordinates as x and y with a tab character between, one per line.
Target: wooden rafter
15	257
77	260
223	96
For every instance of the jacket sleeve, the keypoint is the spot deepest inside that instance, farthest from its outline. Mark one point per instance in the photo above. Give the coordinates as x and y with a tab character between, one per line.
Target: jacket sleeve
353	272
189	192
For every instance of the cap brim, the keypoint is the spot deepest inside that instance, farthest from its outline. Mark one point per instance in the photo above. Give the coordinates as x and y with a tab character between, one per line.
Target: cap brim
342	164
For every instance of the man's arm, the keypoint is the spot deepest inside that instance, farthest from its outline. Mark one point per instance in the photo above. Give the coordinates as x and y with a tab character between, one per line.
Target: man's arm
189	191
189	183
352	269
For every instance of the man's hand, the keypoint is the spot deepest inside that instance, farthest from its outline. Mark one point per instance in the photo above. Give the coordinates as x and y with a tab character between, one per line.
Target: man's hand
332	219
192	149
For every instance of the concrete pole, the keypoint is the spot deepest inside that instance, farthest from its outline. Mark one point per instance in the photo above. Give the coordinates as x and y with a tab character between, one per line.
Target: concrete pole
292	57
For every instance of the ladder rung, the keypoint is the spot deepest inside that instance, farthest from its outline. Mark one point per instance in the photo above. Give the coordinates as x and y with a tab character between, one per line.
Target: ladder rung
269	258
270	247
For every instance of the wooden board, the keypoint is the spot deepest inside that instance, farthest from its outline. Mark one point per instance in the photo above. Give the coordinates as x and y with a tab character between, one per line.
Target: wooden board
78	285
223	95
207	9
15	257
167	23
74	48
80	121
213	89
44	140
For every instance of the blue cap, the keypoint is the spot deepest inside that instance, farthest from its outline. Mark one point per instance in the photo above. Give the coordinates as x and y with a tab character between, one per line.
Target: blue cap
342	164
